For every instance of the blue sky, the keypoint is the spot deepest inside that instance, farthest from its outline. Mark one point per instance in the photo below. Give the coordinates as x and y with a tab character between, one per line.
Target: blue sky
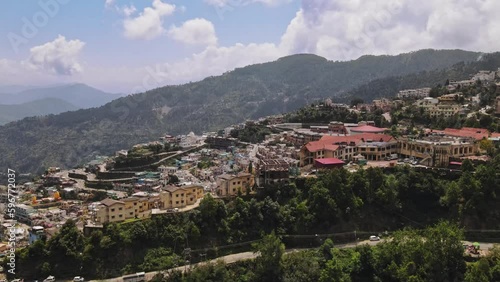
133	45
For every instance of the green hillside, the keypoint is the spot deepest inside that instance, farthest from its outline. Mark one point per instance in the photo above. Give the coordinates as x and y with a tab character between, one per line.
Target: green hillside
40	107
289	83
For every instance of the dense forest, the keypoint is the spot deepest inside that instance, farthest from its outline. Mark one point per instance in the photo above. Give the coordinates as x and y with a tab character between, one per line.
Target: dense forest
336	202
71	138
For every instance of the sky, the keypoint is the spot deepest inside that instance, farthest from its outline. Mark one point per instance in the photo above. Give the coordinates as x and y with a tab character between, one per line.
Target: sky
129	46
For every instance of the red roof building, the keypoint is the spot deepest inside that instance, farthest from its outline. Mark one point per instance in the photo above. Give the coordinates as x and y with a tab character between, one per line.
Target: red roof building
476	133
329	163
367	129
372	146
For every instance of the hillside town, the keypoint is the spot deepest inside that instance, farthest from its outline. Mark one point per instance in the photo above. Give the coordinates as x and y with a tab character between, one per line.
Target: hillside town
174	173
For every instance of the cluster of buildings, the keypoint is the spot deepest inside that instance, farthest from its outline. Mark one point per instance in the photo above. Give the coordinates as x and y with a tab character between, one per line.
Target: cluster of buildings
171	198
434	148
444	106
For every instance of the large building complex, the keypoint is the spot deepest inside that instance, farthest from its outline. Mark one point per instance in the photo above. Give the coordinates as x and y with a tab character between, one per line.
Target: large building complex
372	146
109	210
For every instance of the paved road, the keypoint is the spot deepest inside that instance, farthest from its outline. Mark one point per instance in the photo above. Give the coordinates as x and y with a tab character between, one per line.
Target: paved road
234	258
250	255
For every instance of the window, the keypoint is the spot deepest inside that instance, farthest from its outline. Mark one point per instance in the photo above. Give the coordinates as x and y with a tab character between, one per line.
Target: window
176	202
177	195
113	217
182	202
194	190
120	209
234	183
120	215
131	213
135	204
182	195
112	210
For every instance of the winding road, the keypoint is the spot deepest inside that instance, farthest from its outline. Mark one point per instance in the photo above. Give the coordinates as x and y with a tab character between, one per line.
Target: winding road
251	255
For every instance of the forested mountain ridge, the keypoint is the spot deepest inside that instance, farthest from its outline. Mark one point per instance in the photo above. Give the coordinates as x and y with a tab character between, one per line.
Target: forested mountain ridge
389	86
291	82
80	95
40	107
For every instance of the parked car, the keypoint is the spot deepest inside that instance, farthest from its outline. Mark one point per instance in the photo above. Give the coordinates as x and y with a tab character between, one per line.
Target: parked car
78	278
50	279
407	160
374	238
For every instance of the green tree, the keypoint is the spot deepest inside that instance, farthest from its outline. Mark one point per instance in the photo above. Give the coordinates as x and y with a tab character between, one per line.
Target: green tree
269	263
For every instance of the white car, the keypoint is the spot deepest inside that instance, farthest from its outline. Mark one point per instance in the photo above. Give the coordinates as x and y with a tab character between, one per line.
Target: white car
50	279
78	278
374	238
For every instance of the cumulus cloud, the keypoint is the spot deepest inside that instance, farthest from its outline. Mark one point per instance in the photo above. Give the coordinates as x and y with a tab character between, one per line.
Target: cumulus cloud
194	32
128	10
238	3
347	29
58	57
108	3
148	24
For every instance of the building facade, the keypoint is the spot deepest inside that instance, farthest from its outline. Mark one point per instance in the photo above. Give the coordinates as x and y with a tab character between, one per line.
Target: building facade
180	196
230	185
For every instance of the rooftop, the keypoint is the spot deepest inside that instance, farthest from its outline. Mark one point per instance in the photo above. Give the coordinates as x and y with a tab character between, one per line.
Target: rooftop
368	129
330	161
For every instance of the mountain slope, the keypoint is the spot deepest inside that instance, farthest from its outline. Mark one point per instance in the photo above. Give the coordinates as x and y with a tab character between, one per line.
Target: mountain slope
215	102
80	95
40	107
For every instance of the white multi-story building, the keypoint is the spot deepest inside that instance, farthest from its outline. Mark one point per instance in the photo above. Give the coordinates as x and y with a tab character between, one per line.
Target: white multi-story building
414	93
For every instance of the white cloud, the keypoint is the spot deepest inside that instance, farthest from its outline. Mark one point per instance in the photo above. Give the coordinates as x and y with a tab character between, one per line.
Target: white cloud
347	29
149	24
58	57
128	10
194	32
108	3
238	3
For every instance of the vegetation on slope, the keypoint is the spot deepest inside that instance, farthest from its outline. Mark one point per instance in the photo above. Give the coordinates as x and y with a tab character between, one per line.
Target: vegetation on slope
69	139
371	200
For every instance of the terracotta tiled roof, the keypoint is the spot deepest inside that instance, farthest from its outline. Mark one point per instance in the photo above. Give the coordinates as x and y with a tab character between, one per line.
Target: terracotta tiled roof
330	161
331	143
368	129
476	133
315	146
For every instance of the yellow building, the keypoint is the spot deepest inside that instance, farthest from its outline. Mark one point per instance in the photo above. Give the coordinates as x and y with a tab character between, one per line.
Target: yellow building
110	210
180	196
229	185
437	150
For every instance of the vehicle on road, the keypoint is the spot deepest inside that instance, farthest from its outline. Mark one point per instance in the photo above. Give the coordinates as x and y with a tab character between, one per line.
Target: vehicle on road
50	279
374	238
137	277
78	278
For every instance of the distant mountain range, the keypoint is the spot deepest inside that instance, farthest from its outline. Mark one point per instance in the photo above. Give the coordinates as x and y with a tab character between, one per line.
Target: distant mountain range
18	102
41	107
254	91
